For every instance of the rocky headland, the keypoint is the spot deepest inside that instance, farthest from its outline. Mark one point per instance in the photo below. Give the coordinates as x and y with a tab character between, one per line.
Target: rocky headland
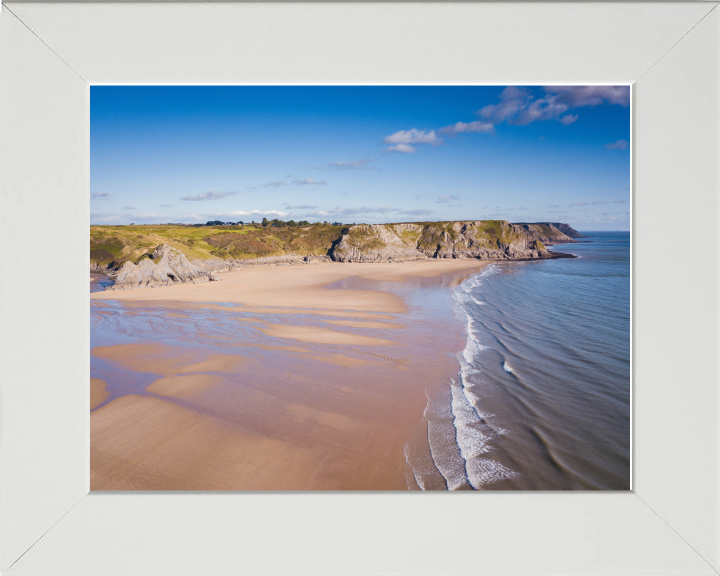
479	239
167	265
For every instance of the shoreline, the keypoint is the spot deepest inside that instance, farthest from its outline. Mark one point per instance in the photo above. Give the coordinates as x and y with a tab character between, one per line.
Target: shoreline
296	260
350	353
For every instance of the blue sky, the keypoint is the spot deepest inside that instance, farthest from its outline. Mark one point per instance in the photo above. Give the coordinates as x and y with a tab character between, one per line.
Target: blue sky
369	154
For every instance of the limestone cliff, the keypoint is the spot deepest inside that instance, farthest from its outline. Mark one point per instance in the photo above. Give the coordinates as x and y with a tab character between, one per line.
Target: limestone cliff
481	239
142	266
551	232
166	267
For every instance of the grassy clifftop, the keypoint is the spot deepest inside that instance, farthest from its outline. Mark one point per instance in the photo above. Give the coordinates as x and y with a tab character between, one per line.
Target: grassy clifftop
111	246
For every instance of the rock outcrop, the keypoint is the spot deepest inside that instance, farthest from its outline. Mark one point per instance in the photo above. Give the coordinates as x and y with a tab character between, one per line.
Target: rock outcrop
551	232
480	239
288	260
166	267
567	230
378	243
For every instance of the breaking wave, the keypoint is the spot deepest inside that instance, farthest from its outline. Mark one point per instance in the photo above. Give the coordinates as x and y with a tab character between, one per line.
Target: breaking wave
460	436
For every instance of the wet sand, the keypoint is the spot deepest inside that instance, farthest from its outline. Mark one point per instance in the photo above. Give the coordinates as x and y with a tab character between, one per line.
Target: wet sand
98	392
319	390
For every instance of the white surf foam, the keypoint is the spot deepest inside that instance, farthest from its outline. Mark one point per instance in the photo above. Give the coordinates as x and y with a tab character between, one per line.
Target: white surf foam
473	433
443	444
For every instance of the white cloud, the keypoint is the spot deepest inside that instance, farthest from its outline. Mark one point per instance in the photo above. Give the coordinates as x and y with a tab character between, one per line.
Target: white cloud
619	201
619	145
445	198
128	207
354	165
386	213
352	211
518	106
99	195
512	100
417	212
406	148
251	213
461	127
274	184
590	203
615	214
579	96
400	141
114	218
542	109
303	207
207	196
308	181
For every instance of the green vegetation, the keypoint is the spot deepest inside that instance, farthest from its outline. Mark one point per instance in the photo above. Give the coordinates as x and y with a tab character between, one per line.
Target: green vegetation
111	246
290	223
114	245
363	238
497	231
409	237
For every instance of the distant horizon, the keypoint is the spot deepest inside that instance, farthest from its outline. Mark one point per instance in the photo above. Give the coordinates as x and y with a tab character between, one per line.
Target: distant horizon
370	154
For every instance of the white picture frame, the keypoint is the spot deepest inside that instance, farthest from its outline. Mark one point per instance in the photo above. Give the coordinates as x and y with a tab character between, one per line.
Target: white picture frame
50	53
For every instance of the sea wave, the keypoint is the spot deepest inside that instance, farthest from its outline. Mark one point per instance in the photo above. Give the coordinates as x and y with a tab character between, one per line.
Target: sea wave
459	434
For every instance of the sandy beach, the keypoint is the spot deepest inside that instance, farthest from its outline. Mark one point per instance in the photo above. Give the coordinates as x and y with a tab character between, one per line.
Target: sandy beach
307	377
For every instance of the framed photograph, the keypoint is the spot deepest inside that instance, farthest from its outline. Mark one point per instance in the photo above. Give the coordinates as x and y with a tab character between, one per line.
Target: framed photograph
360	179
320	287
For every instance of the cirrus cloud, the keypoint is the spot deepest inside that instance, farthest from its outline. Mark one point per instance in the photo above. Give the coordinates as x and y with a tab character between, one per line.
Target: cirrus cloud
246	213
207	196
308	181
354	165
589	203
367	211
462	127
618	145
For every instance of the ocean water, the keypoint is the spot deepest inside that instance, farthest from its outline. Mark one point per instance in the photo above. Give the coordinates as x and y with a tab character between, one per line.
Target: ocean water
541	400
